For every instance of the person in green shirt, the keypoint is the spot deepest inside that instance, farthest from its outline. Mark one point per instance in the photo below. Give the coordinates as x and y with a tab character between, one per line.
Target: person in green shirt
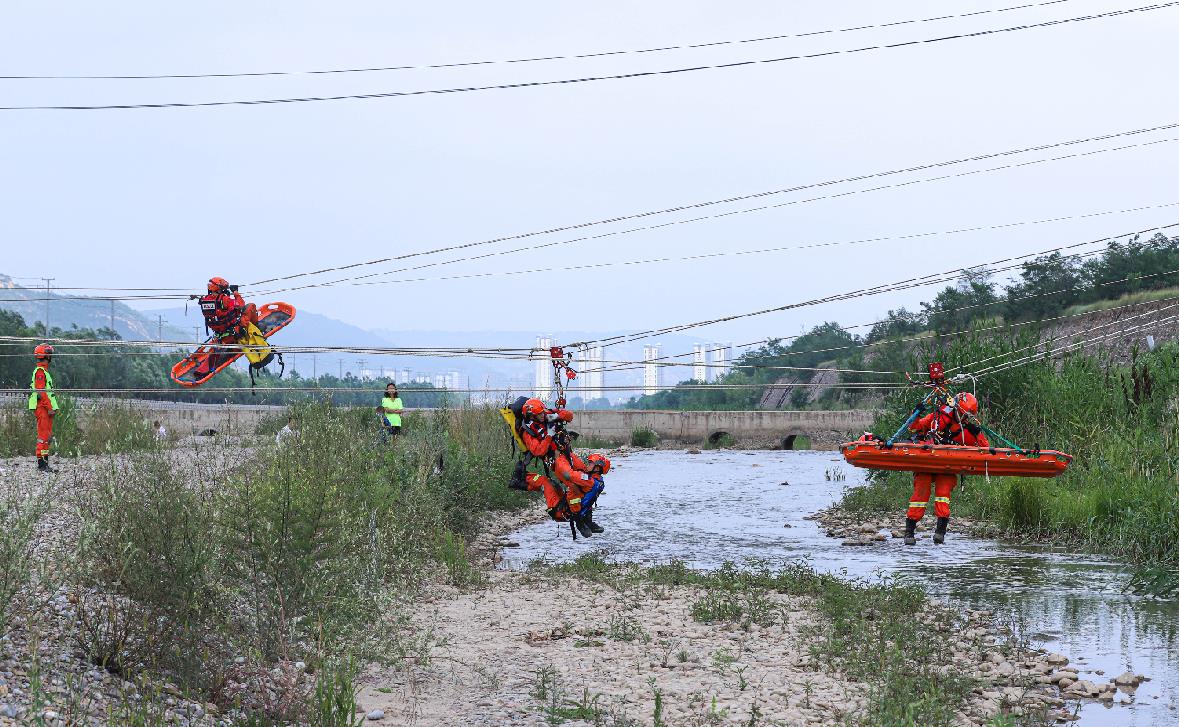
391	409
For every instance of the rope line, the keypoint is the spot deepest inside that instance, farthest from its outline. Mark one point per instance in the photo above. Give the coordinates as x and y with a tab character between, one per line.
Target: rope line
923	337
598	54
588	79
930	279
704	256
726	200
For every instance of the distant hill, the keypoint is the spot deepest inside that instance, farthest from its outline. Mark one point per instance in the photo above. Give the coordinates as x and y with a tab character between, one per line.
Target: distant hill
67	312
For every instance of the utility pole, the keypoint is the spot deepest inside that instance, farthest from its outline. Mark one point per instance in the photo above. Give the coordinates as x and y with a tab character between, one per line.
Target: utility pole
112	317
341	362
362	363
198	333
159	330
315	368
47	282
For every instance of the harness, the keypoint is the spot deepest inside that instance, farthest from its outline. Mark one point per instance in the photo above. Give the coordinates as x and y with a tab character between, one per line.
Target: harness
220	318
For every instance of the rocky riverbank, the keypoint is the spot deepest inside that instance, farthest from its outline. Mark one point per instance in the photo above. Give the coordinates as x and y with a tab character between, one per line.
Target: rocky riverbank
536	649
867	529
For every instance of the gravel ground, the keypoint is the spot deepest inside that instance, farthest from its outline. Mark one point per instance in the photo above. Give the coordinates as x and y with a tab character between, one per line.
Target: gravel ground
515	652
43	671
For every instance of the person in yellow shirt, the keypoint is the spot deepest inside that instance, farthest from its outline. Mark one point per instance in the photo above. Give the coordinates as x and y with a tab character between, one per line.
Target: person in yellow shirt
391	409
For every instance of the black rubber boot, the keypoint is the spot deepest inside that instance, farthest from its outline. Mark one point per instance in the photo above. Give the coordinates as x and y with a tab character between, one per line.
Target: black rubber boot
910	531
518	481
939	532
589	520
43	465
583	528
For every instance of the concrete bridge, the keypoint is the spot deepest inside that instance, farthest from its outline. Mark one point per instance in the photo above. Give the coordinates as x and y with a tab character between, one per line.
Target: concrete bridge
770	428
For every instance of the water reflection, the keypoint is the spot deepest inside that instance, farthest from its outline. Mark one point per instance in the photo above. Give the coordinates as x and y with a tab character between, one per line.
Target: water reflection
717	506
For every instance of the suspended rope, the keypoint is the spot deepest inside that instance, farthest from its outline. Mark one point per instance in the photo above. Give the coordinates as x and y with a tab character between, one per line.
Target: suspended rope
545	58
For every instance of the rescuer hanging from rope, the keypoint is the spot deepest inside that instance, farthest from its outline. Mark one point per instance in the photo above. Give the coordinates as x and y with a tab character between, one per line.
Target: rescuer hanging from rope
43	403
227	317
570	484
236	329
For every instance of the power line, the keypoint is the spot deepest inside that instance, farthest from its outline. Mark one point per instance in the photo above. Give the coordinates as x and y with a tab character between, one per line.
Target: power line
723	201
689	220
1076	345
713	255
588	79
954	309
1002	365
597	54
930	279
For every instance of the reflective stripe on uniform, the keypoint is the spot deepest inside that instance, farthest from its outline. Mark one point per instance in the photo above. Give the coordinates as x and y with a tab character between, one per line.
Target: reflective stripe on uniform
34	395
942	499
574	502
918	504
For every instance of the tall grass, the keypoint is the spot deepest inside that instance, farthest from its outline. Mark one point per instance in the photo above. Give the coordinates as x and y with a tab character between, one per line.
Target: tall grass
108	427
302	552
1121	424
19	514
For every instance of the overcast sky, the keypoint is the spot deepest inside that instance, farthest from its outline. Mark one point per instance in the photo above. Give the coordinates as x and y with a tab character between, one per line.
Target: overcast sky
166	198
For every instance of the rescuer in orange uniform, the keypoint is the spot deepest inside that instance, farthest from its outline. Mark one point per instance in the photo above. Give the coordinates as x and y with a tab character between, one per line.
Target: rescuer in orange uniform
539	426
949	424
226	316
43	404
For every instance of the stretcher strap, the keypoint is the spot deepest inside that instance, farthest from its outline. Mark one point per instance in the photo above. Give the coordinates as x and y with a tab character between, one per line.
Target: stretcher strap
992	433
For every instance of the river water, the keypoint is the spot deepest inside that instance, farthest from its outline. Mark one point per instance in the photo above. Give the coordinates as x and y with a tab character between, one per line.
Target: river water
718	506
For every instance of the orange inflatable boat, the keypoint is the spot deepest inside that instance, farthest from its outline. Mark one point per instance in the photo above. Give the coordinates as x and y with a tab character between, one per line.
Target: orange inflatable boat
955	459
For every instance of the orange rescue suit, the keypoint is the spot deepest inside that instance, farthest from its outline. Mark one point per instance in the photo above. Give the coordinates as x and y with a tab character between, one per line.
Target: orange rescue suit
573	474
945	424
43	412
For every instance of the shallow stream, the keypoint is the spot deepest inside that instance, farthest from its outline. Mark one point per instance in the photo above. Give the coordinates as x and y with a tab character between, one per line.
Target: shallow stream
729	505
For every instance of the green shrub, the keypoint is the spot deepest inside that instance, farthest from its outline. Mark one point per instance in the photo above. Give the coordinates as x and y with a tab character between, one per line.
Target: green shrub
644	437
724	440
19	515
295	553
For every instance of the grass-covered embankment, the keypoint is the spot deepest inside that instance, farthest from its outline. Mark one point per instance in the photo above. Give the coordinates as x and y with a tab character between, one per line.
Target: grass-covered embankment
250	581
1120	423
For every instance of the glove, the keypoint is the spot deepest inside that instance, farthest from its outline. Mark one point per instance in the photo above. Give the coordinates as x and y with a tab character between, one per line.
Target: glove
233	288
565	415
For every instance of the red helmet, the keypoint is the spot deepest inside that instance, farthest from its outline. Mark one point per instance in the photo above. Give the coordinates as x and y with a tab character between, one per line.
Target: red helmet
967	402
43	352
533	408
217	285
599	460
